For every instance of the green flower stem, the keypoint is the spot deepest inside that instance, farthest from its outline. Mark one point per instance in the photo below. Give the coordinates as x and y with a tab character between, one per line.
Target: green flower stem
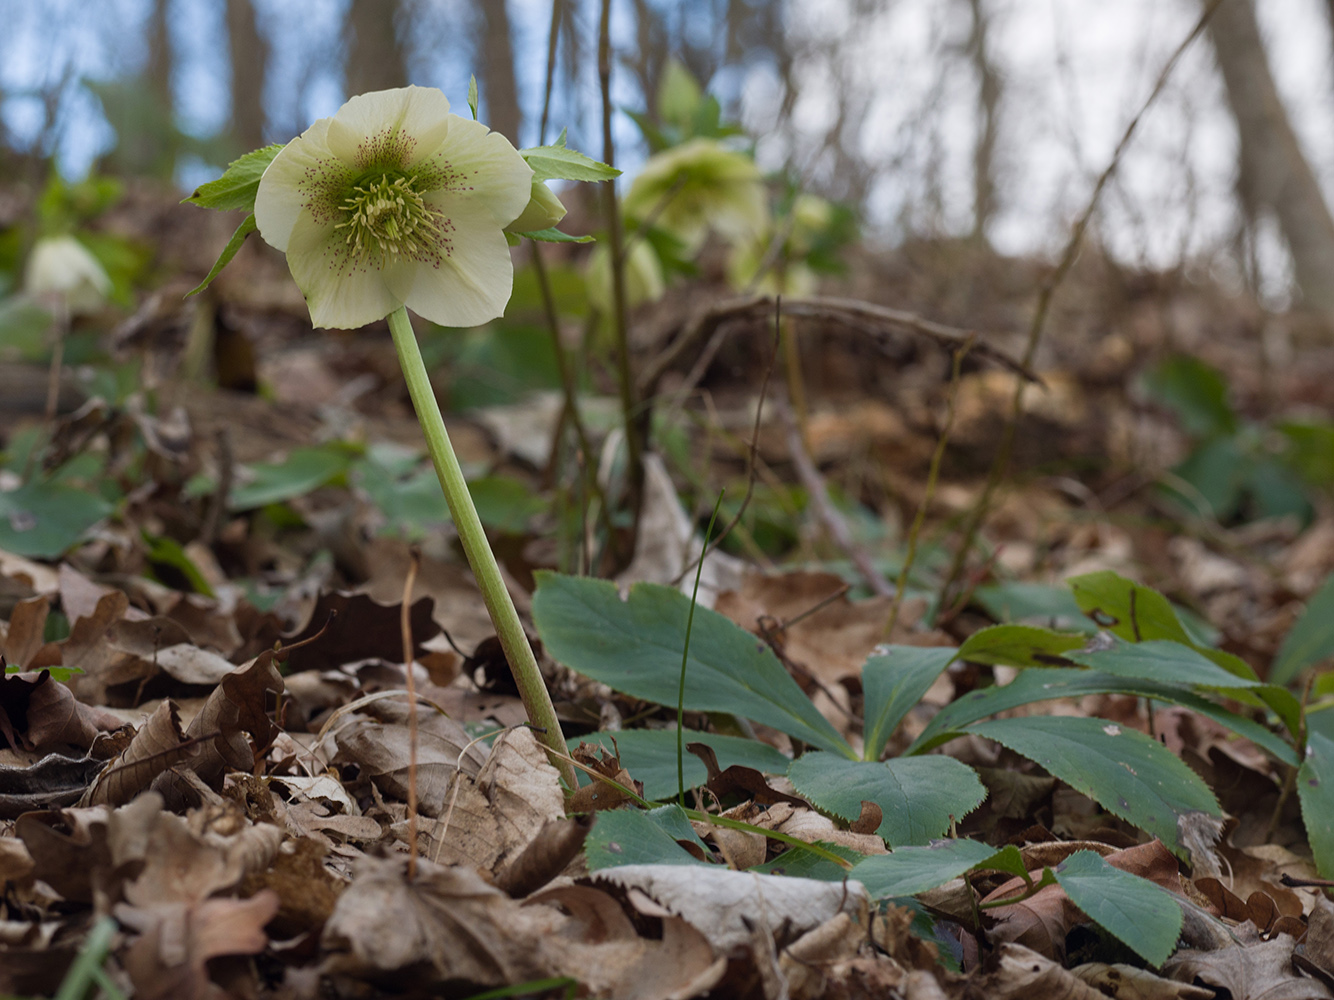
532	689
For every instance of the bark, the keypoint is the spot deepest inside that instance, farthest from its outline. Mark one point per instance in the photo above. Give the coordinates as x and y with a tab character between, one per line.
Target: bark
500	90
988	101
375	56
1274	174
249	57
159	67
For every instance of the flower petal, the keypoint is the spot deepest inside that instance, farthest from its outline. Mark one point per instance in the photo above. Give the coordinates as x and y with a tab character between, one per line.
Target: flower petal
342	294
472	282
393	128
481	165
304	175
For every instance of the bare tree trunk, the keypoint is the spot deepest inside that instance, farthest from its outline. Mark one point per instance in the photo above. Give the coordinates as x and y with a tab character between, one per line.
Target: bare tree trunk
249	56
501	91
159	67
988	100
1273	171
375	56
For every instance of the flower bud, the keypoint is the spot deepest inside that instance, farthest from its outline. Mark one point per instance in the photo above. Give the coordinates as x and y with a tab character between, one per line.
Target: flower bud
544	210
61	268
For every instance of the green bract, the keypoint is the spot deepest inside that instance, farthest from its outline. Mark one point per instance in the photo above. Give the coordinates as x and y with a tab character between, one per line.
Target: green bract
396	202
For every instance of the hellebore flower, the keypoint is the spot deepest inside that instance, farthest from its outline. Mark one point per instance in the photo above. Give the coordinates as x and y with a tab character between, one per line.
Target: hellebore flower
698	186
61	269
396	202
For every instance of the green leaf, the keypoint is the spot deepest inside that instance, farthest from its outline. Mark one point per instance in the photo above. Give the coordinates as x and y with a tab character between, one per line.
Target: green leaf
1020	646
1043	685
560	163
237	187
892	683
1128	610
917	796
305	470
1197	393
633	837
1143	916
41	520
1126	772
1311	638
635	647
167	553
1013	602
503	503
1315	788
906	871
246	227
472	96
801	863
1165	661
650	756
554	235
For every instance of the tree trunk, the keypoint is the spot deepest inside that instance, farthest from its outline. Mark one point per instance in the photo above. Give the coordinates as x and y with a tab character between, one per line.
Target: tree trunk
249	56
500	91
1274	174
988	100
375	57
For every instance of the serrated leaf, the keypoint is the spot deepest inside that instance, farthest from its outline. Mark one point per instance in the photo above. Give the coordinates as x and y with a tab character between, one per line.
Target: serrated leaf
1020	646
650	756
554	235
1035	685
1310	640
1127	609
1143	916
1164	661
892	683
246	227
1126	772
632	837
906	871
41	520
237	187
917	796
1315	788
635	647
560	163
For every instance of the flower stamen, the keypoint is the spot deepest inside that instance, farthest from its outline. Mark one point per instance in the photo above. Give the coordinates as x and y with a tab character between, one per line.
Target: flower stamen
388	215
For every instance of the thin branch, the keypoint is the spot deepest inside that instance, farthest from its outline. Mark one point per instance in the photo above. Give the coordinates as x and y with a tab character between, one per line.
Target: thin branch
851	313
1045	294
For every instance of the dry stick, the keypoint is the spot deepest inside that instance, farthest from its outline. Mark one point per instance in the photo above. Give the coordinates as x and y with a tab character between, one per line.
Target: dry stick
405	625
1045	294
932	477
61	327
634	424
849	312
831	519
751	458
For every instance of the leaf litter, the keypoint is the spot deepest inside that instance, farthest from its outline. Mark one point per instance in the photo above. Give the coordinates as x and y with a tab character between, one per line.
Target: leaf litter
208	745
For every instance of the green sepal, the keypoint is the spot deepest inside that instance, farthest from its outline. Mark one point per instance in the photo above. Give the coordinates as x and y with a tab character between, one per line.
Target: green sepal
228	252
238	185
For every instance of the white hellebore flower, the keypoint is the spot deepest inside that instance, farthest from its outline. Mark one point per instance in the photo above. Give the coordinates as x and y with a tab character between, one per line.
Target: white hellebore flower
396	202
60	268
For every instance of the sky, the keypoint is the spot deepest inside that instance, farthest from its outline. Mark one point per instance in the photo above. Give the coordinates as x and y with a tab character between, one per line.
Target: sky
1074	73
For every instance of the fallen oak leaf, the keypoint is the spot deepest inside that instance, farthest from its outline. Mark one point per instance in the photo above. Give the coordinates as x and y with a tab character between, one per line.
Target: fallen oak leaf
158	746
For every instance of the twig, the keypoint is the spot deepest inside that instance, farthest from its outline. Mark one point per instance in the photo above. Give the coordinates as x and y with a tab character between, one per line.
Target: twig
1045	294
552	41
634	420
405	625
849	312
831	519
932	478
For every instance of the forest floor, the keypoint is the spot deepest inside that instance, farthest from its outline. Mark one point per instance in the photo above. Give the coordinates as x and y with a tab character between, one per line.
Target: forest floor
204	774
